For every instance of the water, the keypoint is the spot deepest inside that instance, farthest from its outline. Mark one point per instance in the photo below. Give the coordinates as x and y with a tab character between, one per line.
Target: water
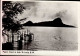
53	38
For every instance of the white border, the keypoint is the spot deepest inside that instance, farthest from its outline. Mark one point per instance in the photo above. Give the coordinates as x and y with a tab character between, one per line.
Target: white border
66	53
0	26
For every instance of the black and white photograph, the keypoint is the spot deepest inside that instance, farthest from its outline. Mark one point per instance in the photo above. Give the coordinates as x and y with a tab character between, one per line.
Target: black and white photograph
41	25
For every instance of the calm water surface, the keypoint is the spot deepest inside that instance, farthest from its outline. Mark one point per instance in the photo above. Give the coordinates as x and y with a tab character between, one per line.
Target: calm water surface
52	38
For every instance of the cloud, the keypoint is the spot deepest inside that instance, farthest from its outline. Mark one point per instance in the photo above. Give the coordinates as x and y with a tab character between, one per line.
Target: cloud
47	11
66	10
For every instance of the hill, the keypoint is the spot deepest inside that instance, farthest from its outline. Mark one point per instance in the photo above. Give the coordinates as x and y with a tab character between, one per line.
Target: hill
55	23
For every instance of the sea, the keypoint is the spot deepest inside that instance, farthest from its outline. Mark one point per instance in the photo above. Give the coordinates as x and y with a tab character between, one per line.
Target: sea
52	38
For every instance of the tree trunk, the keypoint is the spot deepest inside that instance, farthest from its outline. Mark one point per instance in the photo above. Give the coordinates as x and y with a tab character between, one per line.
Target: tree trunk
12	38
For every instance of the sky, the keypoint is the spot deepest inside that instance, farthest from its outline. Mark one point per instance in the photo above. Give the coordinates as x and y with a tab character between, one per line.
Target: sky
48	11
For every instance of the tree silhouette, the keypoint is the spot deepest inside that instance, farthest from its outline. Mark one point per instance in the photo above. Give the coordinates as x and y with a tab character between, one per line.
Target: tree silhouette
11	10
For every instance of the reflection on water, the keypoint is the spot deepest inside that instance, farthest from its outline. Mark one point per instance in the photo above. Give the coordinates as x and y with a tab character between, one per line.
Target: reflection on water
53	38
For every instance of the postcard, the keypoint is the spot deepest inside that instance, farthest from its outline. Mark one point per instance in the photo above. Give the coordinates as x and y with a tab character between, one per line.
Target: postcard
39	27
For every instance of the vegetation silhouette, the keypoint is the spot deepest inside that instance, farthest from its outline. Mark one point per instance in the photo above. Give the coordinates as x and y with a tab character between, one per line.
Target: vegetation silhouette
9	23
